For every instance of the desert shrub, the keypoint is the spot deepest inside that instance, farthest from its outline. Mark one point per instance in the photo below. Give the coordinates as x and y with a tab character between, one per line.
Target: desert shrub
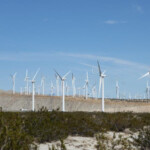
143	139
42	126
13	136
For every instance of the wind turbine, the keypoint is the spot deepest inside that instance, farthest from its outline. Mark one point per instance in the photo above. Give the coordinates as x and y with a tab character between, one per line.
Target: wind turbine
57	84
101	83
117	90
94	91
79	94
67	89
33	89
63	88
43	84
13	80
27	82
39	89
52	89
86	86
147	90
73	85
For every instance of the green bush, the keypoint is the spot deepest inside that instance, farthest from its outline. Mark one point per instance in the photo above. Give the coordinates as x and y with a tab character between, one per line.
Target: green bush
22	129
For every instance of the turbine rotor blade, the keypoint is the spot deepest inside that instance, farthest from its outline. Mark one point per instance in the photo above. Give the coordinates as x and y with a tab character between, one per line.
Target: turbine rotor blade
145	75
15	74
58	74
99	69
36	74
66	75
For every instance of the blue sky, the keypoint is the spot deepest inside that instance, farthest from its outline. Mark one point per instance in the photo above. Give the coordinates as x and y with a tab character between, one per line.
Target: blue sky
64	34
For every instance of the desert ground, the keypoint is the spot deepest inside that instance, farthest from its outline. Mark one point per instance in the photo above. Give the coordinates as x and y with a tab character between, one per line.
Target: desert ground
17	102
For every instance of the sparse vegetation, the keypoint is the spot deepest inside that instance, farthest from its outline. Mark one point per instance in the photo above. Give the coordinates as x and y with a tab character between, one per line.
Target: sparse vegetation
19	130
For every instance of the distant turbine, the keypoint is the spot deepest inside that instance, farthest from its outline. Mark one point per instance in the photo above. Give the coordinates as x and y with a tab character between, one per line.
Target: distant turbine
101	83
94	91
52	89
147	90
86	86
63	88
84	91
13	80
117	90
57	84
33	90
27	83
73	85
79	94
39	89
67	89
43	85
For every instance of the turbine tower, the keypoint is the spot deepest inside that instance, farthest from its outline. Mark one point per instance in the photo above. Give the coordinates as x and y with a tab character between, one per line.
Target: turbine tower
94	91
52	89
73	85
27	83
33	89
43	85
101	83
79	93
67	89
13	80
63	88
117	90
147	90
57	84
86	86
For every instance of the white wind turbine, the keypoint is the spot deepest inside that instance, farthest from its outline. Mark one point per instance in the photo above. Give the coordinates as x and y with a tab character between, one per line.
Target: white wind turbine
79	89
27	83
14	81
43	85
73	85
117	90
39	89
57	84
84	91
63	88
33	89
101	83
94	91
145	75
147	90
86	86
52	89
67	89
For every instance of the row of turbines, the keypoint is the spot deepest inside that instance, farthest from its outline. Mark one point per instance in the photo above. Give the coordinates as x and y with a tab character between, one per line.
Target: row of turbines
65	87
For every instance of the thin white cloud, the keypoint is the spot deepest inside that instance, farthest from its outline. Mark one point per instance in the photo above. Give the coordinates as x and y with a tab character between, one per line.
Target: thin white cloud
108	59
47	56
138	8
111	22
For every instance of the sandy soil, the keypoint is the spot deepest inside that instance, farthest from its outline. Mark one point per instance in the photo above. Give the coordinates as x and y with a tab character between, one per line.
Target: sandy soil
16	102
85	143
